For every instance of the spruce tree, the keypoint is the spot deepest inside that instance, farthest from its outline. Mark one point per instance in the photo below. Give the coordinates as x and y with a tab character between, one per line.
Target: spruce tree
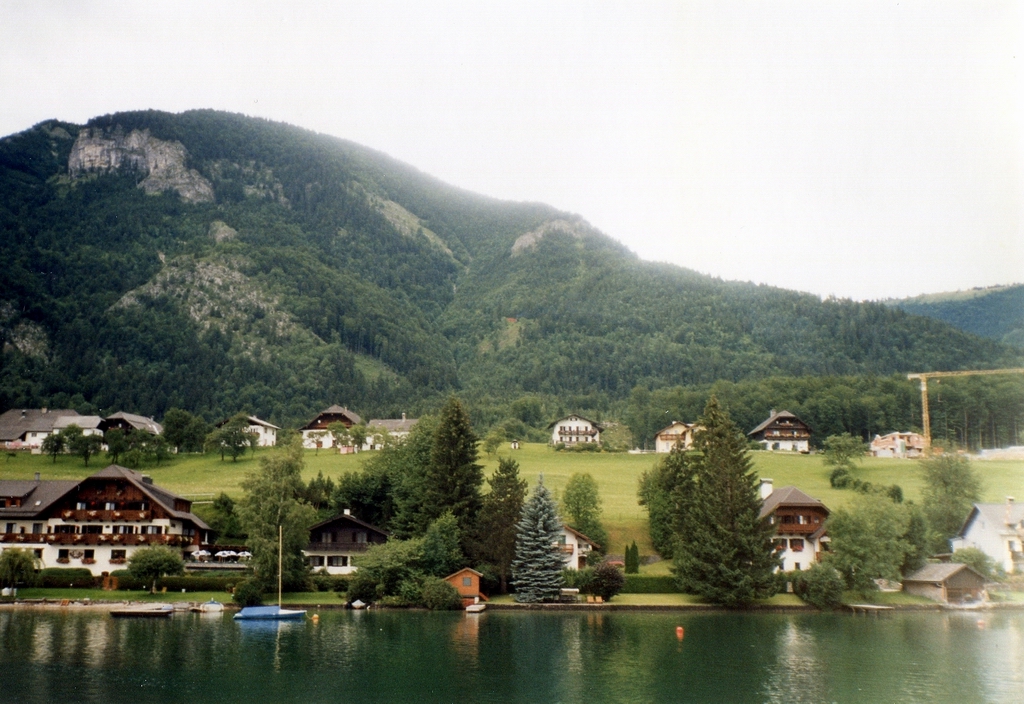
724	552
453	478
537	568
496	528
632	560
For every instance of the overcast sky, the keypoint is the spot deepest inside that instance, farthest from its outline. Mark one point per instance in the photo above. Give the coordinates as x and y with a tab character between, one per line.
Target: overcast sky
858	149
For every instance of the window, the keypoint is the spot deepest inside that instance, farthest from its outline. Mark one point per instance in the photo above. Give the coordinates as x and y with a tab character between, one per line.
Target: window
90	555
467	581
80	505
65	529
10	528
780	544
796	545
37	528
796	566
316	560
361	537
109	506
92	529
118	554
38	554
326	537
63	555
337	561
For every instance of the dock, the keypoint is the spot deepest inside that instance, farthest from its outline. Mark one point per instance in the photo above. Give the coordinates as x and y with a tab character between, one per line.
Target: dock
868	608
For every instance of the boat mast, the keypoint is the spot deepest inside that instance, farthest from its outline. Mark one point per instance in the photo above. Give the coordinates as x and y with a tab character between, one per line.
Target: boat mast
280	551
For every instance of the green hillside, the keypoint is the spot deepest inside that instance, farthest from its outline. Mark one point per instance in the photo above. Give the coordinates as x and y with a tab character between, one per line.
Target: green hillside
996	312
216	262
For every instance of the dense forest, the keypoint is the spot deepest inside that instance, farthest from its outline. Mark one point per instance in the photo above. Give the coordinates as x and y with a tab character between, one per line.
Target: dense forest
996	312
302	270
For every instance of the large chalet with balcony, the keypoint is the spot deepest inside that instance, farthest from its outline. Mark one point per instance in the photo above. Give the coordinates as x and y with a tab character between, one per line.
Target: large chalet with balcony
334	543
798	522
574	430
96	522
783	431
315	433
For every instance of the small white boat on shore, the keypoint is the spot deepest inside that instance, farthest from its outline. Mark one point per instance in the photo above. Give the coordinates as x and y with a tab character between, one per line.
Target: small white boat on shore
475	608
211	607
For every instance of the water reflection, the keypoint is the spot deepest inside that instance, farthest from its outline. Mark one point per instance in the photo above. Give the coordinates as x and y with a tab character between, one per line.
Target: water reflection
505	657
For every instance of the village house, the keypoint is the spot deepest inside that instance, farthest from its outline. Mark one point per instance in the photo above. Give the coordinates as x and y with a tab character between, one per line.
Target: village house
575	547
573	430
335	542
948	582
90	425
130	423
783	431
26	428
903	445
677	433
998	531
266	433
467	583
315	433
798	523
397	428
96	522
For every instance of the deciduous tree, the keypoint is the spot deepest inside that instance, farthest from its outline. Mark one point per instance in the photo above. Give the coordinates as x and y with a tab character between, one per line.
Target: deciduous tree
149	564
868	541
53	445
17	566
950	489
581	507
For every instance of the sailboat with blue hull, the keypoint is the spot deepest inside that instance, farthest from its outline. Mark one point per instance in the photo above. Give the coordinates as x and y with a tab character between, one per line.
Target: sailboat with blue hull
272	613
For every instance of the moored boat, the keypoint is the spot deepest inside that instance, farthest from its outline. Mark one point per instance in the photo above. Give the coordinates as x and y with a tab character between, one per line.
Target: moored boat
144	611
269	613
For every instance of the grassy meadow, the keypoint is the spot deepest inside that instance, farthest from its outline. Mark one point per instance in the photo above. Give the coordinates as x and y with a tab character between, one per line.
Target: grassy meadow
200	477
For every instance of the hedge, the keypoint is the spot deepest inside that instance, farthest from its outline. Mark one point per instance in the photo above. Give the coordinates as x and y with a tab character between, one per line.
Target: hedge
649	584
176	584
66	577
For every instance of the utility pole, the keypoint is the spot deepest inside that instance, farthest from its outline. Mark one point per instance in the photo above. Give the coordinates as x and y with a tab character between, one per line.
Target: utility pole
926	424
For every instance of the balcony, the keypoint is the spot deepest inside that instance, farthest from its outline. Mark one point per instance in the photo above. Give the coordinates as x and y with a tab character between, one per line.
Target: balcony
796	528
338	547
105	516
112	539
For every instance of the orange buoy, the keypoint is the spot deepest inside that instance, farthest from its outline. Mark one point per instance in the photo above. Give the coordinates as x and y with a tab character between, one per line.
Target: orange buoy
316	618
680	632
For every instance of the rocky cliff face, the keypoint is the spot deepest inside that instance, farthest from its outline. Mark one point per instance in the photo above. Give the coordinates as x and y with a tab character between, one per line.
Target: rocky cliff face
162	163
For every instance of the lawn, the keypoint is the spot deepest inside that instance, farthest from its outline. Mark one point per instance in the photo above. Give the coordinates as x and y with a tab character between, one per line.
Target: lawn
201	477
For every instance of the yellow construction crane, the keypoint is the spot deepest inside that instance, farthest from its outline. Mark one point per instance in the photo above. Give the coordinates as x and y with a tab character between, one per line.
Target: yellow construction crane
925	376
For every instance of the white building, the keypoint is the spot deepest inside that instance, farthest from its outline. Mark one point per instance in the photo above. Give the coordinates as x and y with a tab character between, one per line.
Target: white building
998	531
798	522
573	430
903	445
26	428
266	433
315	434
336	542
676	433
397	429
575	547
90	425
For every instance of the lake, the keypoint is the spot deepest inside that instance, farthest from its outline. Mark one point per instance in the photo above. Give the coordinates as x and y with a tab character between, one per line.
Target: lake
500	656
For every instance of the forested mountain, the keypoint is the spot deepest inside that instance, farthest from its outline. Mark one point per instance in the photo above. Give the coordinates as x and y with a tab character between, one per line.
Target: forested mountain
216	262
996	312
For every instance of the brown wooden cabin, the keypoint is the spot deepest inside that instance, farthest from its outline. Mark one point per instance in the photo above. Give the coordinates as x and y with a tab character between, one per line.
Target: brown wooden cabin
335	542
334	414
467	582
783	431
949	582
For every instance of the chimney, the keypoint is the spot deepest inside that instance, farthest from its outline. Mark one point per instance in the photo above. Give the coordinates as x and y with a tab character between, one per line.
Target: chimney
44	409
1009	510
771	413
348	512
23	412
146	479
403	417
766	488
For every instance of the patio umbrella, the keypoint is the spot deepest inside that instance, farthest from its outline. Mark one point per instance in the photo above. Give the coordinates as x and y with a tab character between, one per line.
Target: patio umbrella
245	553
226	553
202	553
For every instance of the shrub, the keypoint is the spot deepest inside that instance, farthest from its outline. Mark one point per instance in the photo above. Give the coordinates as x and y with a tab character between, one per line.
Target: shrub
363	588
248	593
66	577
840	478
578	579
439	595
649	584
820	586
608	581
973	557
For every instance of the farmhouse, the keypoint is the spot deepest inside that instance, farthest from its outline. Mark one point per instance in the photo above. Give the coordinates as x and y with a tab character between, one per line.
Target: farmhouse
335	542
573	430
26	428
397	428
798	522
904	445
130	423
948	582
783	431
315	433
677	433
90	425
998	531
96	522
575	547
266	433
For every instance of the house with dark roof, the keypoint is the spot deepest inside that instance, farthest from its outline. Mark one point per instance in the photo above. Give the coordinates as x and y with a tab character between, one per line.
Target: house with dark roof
131	422
783	431
315	433
573	430
96	522
26	428
998	531
948	582
334	543
798	523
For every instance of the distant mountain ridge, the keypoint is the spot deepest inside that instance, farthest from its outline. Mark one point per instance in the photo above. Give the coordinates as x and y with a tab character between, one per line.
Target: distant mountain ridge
995	312
217	262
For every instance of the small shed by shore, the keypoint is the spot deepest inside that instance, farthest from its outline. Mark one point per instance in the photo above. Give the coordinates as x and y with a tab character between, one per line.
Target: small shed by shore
467	582
949	582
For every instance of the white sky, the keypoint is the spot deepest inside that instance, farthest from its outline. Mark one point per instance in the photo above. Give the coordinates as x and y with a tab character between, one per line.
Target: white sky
861	149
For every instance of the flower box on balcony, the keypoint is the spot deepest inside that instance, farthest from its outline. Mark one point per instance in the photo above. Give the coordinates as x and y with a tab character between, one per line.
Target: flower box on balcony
64	560
88	561
118	560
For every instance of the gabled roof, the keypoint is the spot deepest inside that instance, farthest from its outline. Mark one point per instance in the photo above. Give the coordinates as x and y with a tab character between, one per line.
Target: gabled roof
138	422
253	420
780	415
158	494
18	421
335	410
36	496
673	424
580	536
994	516
464	569
83	422
574	415
353	519
788	496
394	425
940	572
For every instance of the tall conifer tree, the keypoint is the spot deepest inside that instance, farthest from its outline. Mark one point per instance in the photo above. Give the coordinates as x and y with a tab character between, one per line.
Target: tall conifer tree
537	569
496	528
453	478
724	552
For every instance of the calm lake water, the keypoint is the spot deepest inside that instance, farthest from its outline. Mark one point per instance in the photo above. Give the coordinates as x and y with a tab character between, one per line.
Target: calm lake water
49	656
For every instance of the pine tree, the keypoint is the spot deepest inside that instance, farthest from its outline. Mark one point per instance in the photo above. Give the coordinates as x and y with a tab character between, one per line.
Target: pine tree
632	560
496	528
537	568
453	478
724	552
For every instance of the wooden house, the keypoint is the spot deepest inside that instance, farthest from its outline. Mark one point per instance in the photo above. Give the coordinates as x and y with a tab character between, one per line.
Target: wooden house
90	425
798	523
397	429
678	433
998	531
783	431
96	522
949	583
904	445
335	542
575	547
467	583
130	423
315	433
26	428
573	430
